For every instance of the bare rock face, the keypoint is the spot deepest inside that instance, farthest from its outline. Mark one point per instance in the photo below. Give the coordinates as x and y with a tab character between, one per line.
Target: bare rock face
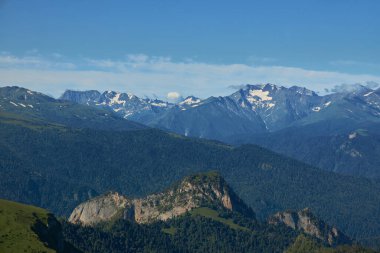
99	209
305	221
206	189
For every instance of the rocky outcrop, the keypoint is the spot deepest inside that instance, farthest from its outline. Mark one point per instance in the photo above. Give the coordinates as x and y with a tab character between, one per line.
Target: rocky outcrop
305	221
206	189
102	208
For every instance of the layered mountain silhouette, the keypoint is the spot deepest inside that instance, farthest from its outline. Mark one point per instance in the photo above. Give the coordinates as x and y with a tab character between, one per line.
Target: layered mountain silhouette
294	121
52	157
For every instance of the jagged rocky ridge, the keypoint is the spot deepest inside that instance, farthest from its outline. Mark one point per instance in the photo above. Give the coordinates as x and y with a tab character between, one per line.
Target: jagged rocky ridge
207	189
253	109
305	221
199	190
126	105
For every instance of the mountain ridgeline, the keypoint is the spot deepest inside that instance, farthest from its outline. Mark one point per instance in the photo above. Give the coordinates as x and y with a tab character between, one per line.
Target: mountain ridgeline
200	190
18	105
203	200
293	121
50	157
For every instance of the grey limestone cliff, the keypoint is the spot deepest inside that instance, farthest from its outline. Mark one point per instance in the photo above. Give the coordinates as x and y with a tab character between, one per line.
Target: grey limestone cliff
206	189
305	221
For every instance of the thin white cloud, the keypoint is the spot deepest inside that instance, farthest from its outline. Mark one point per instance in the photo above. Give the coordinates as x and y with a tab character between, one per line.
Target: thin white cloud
32	61
173	95
144	75
350	87
10	60
344	63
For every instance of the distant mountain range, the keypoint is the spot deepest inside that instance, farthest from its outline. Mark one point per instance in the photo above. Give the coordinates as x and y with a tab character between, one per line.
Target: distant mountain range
266	107
339	132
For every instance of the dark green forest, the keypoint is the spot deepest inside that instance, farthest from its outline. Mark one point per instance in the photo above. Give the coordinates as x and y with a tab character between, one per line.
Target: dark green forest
195	233
187	233
57	168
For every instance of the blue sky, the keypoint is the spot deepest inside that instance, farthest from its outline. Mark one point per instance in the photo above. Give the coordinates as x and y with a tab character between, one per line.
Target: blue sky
154	47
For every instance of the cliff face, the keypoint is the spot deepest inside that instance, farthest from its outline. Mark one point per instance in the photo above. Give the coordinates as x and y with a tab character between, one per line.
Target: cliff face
305	221
207	189
102	208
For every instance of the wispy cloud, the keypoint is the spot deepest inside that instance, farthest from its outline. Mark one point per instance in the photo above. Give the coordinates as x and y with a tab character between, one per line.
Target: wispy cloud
349	87
345	63
33	61
237	86
147	75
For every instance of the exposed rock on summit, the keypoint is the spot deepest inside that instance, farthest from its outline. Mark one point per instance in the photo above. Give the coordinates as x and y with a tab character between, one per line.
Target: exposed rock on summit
102	208
305	221
206	189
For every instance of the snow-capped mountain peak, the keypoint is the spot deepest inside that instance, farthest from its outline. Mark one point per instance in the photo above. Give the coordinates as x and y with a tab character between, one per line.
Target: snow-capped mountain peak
190	100
262	86
256	96
114	98
158	103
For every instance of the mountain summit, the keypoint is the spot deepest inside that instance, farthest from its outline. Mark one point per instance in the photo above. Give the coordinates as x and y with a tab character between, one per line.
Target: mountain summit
126	105
204	194
199	190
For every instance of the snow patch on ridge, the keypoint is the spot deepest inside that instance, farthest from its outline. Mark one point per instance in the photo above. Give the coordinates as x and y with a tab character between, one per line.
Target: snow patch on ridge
352	135
367	94
262	95
116	100
190	101
160	104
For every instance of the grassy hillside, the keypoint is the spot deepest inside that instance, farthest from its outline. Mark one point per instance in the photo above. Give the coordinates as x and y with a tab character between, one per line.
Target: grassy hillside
18	224
214	215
